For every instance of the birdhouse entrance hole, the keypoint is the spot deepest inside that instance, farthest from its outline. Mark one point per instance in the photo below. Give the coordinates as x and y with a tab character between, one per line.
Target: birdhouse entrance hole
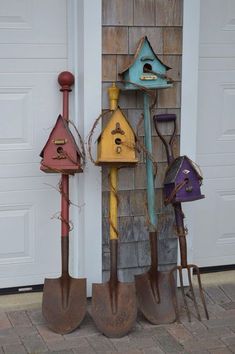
147	67
60	150
118	141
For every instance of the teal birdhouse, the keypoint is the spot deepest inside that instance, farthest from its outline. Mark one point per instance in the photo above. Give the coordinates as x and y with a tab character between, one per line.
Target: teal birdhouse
146	69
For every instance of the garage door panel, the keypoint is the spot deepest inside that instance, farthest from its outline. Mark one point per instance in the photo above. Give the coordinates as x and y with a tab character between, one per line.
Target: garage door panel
33	50
216	230
28	115
216	112
26	21
24	216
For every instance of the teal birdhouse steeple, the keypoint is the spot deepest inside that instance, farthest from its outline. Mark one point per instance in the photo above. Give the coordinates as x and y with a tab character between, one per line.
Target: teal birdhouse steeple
146	69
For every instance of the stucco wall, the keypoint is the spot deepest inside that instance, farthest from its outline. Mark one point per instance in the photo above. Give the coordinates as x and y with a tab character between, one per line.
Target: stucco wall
124	23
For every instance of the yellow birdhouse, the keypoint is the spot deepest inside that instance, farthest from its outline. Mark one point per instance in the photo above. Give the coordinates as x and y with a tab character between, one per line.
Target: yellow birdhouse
116	144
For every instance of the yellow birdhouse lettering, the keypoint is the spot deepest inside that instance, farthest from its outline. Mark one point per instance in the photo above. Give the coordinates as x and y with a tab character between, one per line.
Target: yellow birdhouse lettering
116	143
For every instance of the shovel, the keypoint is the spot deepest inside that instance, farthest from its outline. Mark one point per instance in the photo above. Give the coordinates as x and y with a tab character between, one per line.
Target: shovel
155	293
114	308
64	298
179	218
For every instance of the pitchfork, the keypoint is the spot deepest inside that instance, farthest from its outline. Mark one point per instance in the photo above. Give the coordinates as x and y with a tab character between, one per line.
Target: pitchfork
181	230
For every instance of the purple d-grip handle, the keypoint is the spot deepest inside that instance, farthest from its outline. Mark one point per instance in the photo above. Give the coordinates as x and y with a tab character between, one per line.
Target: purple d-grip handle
165	117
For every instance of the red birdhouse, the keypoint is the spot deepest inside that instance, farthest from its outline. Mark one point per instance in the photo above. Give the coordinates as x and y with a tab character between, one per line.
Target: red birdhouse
61	153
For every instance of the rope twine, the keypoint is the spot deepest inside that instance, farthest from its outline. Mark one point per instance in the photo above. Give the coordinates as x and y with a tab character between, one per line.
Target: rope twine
138	146
177	188
58	215
83	151
115	192
90	135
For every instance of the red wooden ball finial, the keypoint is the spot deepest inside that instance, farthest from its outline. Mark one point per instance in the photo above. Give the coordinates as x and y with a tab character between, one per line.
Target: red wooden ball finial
66	80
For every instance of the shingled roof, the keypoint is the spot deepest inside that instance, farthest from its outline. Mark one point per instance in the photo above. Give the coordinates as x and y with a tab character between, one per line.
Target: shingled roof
175	167
138	50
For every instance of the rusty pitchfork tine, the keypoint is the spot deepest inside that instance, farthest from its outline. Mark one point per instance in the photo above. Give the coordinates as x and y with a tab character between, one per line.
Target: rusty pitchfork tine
192	292
179	216
201	292
179	268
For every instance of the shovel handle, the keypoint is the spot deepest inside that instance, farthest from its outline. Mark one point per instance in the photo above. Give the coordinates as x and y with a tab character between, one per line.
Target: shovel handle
179	219
113	204
66	80
166	118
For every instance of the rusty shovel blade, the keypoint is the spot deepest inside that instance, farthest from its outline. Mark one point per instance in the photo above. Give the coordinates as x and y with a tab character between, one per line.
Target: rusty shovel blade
114	317
155	290
64	303
156	312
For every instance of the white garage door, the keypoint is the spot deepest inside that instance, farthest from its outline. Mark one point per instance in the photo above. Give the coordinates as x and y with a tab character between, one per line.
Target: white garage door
214	240
33	50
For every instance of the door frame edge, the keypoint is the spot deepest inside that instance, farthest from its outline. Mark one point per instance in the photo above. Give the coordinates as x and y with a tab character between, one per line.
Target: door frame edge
85	53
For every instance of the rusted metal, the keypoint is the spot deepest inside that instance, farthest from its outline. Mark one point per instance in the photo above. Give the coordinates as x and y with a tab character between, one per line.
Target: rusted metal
114	308
156	290
181	232
64	298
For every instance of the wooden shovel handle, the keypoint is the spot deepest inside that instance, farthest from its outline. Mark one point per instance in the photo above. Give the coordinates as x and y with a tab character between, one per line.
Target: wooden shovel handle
179	219
66	80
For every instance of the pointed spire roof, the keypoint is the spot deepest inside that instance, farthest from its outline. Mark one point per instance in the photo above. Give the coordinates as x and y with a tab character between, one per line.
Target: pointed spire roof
65	126
138	51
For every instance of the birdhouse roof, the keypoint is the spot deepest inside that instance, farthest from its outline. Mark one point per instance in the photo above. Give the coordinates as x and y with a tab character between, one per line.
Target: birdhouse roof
62	121
110	121
176	167
138	51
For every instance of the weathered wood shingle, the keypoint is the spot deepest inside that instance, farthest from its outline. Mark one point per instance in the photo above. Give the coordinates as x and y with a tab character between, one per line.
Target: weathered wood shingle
124	23
115	40
154	34
117	12
144	13
169	12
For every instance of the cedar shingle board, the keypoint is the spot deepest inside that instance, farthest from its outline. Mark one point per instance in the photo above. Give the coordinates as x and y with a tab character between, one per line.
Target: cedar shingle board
172	40
140	176
169	12
124	203
140	229
144	12
125	229
126	178
117	12
162	167
170	97
166	252
175	62
128	255
157	149
154	34
125	22
137	202
123	61
115	40
109	67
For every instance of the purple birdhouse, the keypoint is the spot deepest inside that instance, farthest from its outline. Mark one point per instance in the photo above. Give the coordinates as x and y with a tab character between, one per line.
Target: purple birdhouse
182	181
